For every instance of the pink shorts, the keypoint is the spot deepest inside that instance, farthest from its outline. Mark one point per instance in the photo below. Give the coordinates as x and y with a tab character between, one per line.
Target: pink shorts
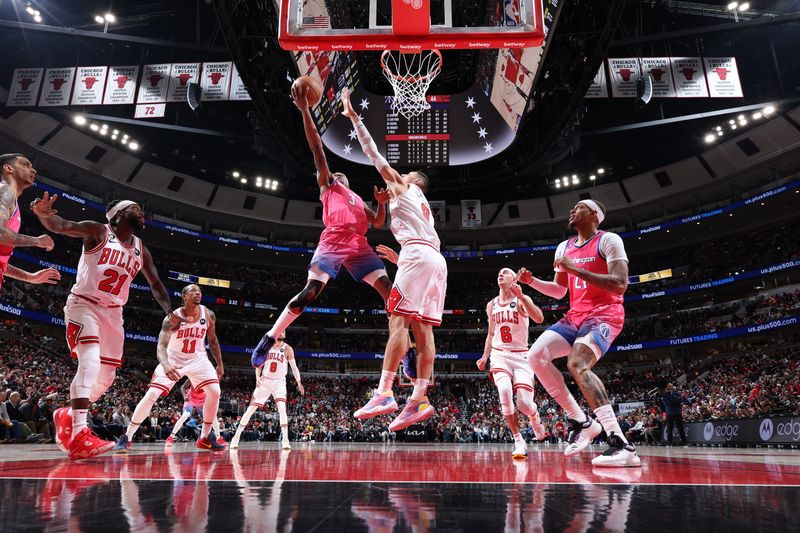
598	329
351	251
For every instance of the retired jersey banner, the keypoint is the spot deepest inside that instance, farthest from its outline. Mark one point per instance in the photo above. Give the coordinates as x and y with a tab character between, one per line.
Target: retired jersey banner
690	81
24	87
599	85
150	110
89	85
216	81
659	70
121	85
238	89
438	212
182	75
723	77
623	72
470	213
154	84
57	86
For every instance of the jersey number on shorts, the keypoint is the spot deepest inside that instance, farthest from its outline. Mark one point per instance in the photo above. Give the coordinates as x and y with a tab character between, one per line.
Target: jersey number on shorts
189	346
505	334
273	367
113	282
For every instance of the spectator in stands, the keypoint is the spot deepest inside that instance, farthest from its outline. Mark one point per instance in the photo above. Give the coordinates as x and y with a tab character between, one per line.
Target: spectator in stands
673	405
33	417
9	432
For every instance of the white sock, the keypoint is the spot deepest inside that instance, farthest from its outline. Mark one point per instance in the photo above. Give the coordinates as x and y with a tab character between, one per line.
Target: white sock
420	386
78	420
518	437
387	380
283	322
606	417
285	433
132	429
567	402
179	424
206	430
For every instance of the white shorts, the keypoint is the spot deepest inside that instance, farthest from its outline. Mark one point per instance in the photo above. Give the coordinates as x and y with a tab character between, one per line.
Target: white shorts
266	388
515	365
420	284
200	372
90	323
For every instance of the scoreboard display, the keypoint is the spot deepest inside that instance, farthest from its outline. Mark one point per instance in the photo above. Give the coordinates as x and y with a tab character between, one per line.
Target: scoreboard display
421	140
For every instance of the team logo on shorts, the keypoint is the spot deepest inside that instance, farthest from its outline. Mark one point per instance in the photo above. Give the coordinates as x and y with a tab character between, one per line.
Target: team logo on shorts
604	330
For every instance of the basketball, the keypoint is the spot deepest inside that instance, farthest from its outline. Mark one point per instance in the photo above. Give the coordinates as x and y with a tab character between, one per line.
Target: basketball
313	89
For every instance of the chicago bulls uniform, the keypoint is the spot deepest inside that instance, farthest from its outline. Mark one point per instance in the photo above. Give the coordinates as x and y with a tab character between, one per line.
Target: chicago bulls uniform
93	313
510	343
273	378
343	241
13	224
421	281
186	353
595	314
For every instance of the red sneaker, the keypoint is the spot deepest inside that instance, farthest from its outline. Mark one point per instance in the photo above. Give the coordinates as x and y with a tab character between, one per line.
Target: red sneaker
63	422
221	440
170	440
86	444
209	444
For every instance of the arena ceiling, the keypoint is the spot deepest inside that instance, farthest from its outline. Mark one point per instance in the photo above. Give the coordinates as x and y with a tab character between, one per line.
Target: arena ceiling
562	135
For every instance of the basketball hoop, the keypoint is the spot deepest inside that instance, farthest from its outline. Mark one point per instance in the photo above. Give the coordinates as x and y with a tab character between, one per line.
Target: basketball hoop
411	75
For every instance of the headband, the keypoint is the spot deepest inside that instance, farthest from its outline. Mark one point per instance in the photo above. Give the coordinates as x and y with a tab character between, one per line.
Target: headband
591	204
114	211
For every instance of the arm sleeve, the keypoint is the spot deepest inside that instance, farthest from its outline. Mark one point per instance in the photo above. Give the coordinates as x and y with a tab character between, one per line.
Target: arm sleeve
295	370
560	253
548	288
369	147
612	248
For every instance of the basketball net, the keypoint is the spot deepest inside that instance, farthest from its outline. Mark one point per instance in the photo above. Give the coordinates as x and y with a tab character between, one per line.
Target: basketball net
411	75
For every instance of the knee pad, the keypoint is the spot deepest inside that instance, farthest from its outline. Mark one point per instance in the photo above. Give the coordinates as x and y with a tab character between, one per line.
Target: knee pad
105	378
505	390
88	371
309	293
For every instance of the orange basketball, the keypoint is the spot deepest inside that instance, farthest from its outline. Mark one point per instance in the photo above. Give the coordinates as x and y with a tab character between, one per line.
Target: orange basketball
313	89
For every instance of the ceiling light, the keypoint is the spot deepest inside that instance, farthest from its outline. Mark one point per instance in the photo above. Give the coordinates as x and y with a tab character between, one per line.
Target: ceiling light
743	123
558	184
124	141
133	145
30	10
710	138
574	177
733	127
259	184
116	132
732	6
125	136
744	7
114	137
98	19
236	174
601	171
719	128
37	18
110	18
757	115
103	132
80	120
94	127
592	177
740	117
720	134
770	109
575	181
731	121
243	180
274	185
104	126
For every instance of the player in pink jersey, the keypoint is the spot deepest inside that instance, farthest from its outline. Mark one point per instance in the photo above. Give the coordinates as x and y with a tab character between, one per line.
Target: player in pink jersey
593	268
112	256
16	175
417	297
508	316
343	241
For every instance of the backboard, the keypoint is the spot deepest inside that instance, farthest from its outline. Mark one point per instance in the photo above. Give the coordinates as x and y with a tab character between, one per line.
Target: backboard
409	25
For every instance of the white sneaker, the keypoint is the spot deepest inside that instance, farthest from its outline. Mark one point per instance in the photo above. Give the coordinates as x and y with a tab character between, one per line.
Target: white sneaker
581	435
285	445
618	454
234	444
520	452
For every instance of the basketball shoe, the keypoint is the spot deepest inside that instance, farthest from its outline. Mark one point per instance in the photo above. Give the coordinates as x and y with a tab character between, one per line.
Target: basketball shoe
410	364
63	422
170	440
520	452
122	446
234	444
260	352
381	403
581	435
210	443
414	411
86	444
285	445
618	454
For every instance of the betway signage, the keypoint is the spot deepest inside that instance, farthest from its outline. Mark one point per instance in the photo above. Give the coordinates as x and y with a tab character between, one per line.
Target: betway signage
764	430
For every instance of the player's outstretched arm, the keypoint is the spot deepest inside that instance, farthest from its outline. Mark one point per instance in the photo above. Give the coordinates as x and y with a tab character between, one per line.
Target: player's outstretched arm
159	290
530	308
90	231
384	252
295	370
9	237
312	137
161	350
49	276
487	346
213	342
554	289
378	218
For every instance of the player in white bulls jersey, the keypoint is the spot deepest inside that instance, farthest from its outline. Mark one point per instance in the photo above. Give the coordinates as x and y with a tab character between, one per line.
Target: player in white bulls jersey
181	352
112	257
271	381
417	297
507	345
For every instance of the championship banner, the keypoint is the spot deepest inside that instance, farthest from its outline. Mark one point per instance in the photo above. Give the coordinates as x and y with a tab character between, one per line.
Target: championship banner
438	212
723	77
690	82
182	75
216	81
599	85
659	69
238	89
470	213
24	87
57	88
154	84
624	72
89	85
121	85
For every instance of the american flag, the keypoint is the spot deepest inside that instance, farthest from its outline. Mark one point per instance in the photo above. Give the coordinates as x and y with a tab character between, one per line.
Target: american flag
316	22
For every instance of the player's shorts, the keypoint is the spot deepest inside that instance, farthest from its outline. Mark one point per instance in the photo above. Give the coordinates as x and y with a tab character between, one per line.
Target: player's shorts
200	372
90	323
266	388
420	284
189	407
354	253
596	330
513	364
